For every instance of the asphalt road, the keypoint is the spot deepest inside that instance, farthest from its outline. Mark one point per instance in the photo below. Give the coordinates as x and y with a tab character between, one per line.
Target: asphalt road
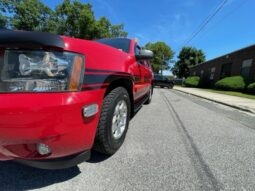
178	142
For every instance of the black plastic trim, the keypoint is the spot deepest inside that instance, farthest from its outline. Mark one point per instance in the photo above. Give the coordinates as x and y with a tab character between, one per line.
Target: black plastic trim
139	102
105	71
102	78
21	39
58	163
94	87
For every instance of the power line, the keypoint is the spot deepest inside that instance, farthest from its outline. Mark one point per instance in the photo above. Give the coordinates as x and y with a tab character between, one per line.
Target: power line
241	4
206	21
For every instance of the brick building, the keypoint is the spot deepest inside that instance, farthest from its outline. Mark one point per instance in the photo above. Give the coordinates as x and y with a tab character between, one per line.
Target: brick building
240	62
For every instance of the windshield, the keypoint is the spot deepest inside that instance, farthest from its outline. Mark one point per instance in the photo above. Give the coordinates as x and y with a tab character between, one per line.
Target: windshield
121	44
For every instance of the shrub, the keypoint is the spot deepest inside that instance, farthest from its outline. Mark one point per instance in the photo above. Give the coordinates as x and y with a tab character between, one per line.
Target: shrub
251	88
235	83
192	81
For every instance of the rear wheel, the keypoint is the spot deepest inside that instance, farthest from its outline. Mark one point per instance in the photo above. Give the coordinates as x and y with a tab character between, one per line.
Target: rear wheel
113	122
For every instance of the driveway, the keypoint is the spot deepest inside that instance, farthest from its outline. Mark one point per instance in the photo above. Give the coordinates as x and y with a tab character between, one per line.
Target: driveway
178	142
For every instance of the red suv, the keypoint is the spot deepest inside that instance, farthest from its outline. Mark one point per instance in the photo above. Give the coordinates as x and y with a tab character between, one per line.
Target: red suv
60	96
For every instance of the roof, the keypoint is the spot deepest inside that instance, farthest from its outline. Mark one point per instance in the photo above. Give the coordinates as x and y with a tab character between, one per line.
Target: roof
247	47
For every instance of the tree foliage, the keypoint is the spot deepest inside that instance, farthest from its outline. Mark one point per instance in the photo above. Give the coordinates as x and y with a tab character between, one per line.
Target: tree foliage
163	55
27	14
188	56
3	21
3	10
71	18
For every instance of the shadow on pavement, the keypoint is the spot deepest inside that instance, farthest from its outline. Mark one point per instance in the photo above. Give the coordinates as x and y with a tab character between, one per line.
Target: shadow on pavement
97	157
14	176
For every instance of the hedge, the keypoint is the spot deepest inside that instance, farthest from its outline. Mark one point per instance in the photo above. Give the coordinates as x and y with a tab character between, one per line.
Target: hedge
235	83
251	88
192	81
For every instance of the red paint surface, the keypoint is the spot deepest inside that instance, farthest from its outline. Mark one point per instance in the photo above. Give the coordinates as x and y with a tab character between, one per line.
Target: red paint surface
56	118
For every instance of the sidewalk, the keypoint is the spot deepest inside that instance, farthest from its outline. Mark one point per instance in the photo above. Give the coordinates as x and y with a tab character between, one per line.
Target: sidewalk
232	101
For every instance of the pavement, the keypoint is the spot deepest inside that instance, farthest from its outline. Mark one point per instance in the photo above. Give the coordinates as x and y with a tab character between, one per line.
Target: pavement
178	142
232	101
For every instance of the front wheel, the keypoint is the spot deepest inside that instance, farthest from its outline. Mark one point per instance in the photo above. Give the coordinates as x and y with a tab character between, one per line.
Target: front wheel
113	122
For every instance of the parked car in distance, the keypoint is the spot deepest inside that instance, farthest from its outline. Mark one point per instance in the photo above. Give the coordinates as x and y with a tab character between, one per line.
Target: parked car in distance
60	96
162	81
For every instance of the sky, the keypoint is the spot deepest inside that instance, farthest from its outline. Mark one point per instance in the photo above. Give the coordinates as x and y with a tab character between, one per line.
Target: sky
174	21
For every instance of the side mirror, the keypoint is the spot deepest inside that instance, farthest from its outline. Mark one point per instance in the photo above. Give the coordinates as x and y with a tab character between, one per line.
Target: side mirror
145	55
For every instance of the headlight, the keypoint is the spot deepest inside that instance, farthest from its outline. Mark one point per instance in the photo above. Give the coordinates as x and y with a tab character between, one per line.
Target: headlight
40	71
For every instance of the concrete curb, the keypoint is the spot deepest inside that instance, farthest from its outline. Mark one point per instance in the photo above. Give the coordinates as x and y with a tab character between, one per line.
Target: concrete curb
216	101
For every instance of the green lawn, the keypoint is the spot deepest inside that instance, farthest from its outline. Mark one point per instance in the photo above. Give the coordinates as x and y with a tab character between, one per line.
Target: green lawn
238	94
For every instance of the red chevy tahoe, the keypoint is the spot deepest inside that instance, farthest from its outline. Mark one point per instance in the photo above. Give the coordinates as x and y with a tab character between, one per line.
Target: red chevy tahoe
60	96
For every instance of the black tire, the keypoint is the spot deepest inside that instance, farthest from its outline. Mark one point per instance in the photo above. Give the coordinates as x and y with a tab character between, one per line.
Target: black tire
149	96
104	141
162	87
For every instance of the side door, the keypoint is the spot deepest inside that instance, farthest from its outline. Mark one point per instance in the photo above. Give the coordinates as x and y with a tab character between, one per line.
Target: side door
143	84
146	78
148	75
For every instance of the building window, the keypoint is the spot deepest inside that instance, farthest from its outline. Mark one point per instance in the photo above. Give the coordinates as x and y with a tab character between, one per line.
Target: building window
212	73
246	68
226	70
202	73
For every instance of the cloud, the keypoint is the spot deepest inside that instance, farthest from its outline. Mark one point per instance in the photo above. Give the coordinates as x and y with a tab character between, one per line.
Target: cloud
174	28
142	38
107	5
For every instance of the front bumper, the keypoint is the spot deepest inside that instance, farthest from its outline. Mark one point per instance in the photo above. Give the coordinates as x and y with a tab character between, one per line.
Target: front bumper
54	119
58	163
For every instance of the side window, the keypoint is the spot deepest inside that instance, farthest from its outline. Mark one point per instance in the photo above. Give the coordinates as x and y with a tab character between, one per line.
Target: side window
147	63
142	62
137	49
246	68
121	44
137	52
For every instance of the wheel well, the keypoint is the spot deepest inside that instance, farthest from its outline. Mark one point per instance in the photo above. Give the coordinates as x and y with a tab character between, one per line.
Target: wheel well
128	85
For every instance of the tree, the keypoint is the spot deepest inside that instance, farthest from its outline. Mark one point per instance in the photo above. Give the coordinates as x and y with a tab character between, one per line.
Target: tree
3	21
163	55
104	29
118	31
75	19
4	7
71	18
31	15
188	56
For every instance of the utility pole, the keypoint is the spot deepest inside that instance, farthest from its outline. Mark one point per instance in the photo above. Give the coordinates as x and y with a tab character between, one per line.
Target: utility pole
162	65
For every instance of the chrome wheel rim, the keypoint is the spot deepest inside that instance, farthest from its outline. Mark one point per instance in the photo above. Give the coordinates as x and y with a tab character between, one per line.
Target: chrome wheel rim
119	119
